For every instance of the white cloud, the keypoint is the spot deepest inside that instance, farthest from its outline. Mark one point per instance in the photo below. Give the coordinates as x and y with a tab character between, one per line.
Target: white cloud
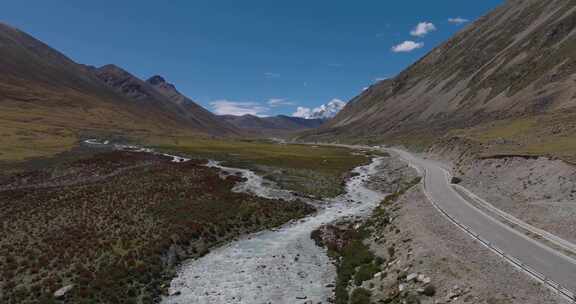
378	79
270	75
324	111
407	46
458	20
227	107
422	29
278	102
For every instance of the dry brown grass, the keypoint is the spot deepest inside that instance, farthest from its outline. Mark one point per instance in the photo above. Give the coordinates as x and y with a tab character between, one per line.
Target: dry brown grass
552	135
110	236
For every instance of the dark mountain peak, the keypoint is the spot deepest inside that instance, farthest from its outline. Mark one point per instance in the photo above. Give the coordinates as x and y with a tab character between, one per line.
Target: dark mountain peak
124	82
156	80
160	83
32	70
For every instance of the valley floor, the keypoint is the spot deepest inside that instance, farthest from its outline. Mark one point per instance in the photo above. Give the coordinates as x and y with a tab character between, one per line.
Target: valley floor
117	226
111	228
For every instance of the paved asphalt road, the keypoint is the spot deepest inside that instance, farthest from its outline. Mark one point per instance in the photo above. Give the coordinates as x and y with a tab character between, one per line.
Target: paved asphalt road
544	260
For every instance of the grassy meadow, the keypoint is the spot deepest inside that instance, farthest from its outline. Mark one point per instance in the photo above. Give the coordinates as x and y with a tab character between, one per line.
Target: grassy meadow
552	135
311	170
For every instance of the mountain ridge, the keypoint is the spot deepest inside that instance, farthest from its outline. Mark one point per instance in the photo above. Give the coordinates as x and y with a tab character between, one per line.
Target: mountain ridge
49	102
272	125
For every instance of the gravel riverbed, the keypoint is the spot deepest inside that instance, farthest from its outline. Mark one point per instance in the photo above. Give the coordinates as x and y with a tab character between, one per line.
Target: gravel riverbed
280	266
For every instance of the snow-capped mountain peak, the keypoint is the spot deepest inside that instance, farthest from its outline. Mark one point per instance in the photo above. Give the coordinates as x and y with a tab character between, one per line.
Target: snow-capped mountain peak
325	111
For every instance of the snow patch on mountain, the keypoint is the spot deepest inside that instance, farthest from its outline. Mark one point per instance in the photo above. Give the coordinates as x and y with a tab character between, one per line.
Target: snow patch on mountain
325	111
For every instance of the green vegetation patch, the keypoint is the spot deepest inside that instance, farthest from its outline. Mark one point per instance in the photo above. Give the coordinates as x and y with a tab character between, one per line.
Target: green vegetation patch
354	261
354	255
361	296
552	134
312	170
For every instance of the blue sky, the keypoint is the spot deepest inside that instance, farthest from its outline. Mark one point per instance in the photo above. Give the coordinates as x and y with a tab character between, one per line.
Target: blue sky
239	55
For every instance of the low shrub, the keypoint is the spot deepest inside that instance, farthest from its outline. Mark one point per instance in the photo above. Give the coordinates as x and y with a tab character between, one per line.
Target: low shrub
365	272
361	296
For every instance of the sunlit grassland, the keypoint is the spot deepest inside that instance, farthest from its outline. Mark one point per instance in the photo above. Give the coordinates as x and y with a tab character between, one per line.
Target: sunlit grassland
315	170
505	129
551	134
44	129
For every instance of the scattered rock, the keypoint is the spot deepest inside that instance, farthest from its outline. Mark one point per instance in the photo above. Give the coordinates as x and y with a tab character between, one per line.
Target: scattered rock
411	277
423	279
454	293
60	293
401	287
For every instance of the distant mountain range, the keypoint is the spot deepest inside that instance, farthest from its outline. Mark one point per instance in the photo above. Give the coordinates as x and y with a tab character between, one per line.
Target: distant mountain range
506	83
273	125
48	101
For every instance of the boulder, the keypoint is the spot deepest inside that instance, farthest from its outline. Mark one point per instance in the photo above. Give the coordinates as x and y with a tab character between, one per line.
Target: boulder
411	277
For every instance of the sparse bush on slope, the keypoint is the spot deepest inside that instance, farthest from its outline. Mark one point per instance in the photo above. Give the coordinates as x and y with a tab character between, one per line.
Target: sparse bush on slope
118	239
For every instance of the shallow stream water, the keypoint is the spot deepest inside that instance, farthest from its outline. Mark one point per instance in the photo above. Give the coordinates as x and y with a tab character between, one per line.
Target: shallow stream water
278	266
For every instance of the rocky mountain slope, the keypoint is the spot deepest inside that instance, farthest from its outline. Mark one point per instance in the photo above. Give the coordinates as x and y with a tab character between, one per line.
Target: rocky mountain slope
273	125
506	82
48	102
157	91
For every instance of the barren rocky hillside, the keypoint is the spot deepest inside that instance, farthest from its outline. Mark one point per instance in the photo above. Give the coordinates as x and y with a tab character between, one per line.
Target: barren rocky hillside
506	81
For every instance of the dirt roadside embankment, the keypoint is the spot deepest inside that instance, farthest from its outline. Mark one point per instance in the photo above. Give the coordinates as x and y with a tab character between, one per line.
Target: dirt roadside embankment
407	252
540	191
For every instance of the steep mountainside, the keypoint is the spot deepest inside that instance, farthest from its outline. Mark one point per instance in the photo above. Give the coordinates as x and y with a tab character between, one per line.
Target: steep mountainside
164	96
192	110
271	126
506	81
48	102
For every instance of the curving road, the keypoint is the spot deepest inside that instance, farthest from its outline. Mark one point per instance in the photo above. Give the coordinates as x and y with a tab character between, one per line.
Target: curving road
544	260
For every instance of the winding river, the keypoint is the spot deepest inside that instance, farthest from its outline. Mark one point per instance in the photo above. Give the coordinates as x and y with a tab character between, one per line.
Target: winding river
276	266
